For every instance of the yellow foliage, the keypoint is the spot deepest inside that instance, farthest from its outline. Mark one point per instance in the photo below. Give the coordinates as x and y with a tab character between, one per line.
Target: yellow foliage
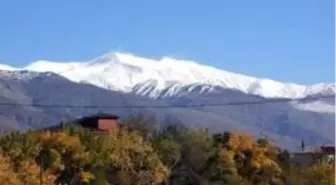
251	160
321	173
130	153
62	149
7	175
27	173
261	160
86	177
241	141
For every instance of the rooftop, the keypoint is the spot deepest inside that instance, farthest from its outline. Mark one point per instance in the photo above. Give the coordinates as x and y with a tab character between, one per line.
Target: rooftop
101	116
86	121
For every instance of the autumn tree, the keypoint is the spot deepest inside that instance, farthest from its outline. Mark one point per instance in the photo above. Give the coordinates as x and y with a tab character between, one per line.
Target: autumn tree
25	172
30	173
172	155
239	158
62	153
7	174
19	146
320	173
122	157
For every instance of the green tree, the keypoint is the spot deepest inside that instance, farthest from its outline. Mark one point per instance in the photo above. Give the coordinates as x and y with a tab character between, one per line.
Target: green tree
195	147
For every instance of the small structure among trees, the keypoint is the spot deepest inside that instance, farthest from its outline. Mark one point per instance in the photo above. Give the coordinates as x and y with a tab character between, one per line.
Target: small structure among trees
314	155
98	122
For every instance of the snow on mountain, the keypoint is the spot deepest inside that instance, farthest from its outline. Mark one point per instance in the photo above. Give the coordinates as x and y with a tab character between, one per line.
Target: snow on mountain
6	67
316	106
42	65
129	73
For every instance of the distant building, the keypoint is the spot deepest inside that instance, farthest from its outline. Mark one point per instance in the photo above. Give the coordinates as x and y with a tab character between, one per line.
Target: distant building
312	156
98	122
101	123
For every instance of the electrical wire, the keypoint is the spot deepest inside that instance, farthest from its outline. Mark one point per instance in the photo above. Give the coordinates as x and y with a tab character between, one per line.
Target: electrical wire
223	104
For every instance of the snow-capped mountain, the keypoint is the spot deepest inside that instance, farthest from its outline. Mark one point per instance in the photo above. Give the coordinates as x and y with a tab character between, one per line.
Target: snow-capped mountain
285	123
167	77
6	67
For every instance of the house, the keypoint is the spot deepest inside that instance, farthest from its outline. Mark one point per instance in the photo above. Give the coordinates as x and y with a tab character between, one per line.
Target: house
98	122
101	123
313	155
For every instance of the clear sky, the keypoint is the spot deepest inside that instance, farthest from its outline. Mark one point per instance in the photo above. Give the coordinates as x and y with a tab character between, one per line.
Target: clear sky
287	40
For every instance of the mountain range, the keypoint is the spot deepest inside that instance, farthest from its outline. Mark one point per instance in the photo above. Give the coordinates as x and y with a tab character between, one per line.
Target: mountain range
126	81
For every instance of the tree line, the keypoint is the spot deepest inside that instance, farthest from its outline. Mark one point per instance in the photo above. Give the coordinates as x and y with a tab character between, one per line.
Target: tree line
172	155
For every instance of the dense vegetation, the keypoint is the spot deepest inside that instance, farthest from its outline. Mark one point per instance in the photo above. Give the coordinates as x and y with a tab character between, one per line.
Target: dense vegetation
172	156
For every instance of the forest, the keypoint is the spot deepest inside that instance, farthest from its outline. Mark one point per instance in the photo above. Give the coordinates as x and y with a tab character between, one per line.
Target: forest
172	155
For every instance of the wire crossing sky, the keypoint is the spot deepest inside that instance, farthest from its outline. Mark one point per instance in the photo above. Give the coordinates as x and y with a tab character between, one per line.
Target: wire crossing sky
223	104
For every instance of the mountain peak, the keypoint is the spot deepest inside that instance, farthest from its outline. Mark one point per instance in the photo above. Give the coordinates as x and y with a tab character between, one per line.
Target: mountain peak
105	58
125	71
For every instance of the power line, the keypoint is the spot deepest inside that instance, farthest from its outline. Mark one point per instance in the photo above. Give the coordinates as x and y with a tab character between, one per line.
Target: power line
236	103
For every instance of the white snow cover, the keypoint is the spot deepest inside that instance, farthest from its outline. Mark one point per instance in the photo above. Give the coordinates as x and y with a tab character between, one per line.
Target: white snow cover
6	67
126	72
316	106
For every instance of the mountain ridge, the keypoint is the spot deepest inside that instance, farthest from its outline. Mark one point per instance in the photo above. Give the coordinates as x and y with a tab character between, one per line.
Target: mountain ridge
280	121
128	73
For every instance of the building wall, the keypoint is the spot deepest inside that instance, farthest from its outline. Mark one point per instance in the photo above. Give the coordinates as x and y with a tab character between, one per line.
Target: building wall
107	124
306	158
303	158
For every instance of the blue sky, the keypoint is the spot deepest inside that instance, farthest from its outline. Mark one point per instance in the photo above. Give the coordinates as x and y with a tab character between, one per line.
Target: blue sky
287	40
